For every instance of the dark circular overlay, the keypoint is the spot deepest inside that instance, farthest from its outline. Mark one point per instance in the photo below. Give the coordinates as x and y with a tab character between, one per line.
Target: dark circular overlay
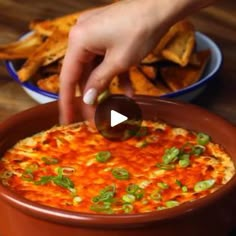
124	106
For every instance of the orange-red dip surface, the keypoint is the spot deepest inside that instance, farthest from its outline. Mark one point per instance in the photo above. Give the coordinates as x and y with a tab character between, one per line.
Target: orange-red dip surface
161	167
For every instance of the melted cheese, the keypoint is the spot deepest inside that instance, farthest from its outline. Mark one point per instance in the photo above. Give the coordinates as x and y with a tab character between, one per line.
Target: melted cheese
68	154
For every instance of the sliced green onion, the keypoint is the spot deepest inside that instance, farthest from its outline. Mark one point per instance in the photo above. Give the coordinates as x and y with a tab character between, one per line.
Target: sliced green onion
164	166
139	193
184	160
178	182
161	208
120	173
163	185
143	131
152	139
103	156
203	139
96	199
44	180
128	198
144	201
102	207
59	180
127	208
109	188
132	188
155	195
103	96
105	195
108	169
73	191
27	176
145	183
171	155
141	144
77	200
58	171
184	189
198	150
31	168
135	190
204	185
63	181
172	203
50	160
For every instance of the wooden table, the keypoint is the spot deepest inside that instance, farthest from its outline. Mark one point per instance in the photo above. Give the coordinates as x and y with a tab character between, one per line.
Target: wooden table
218	21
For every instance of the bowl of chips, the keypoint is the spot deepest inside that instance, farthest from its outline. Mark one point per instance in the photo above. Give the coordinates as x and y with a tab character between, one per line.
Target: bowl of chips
179	67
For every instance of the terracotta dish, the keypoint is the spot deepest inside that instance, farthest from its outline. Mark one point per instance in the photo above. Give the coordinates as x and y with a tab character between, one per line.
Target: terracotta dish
212	215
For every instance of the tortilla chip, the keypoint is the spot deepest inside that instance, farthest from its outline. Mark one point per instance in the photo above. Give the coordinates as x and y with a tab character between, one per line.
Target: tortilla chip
180	48
47	27
151	59
183	25
21	49
177	77
171	39
50	84
149	71
142	86
51	50
115	87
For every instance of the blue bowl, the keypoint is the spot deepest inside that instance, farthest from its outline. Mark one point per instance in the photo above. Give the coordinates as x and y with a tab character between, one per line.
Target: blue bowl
186	94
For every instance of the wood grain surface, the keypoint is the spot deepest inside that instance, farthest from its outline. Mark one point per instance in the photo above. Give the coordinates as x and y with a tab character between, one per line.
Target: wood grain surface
218	22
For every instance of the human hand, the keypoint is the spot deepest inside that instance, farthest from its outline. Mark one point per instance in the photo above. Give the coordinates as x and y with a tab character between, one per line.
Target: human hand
121	34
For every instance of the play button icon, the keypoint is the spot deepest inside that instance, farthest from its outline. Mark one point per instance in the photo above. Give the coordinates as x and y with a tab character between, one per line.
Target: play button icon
118	118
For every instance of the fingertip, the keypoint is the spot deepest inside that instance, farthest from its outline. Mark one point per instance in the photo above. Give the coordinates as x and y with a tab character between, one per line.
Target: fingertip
90	96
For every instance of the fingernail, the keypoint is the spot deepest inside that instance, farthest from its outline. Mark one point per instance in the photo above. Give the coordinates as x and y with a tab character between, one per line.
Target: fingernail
90	96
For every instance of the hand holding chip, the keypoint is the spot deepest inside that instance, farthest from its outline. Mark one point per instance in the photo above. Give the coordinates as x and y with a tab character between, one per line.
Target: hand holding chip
123	33
122	41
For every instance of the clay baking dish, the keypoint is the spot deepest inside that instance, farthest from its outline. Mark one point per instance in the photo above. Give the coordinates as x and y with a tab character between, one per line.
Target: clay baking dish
212	215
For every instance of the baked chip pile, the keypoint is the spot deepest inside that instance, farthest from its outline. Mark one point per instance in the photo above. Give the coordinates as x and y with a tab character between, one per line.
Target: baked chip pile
173	64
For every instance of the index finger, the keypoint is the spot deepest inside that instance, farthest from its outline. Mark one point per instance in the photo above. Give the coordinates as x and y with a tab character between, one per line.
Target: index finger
74	64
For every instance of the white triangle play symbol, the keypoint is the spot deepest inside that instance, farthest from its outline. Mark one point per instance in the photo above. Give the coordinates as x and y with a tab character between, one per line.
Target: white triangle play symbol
117	118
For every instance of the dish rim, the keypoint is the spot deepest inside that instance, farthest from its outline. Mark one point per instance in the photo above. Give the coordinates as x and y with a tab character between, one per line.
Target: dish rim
117	220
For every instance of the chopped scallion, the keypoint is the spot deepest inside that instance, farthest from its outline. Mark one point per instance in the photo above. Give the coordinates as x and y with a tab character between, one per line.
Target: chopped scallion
141	144
128	198
172	203
103	156
155	195
120	173
184	189
127	208
164	166
50	160
184	160
163	185
171	155
203	139
204	185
